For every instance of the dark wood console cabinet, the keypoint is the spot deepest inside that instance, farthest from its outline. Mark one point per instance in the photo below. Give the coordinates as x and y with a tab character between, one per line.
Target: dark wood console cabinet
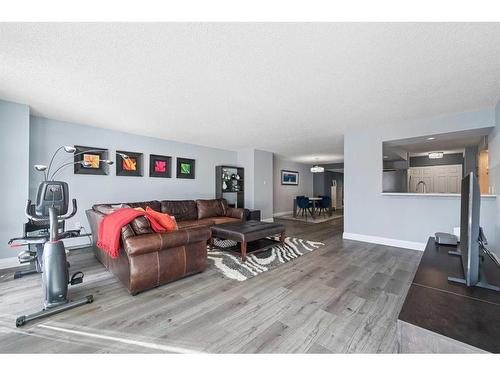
442	317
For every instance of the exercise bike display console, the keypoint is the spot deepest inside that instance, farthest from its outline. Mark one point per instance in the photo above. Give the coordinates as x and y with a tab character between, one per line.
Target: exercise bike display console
46	249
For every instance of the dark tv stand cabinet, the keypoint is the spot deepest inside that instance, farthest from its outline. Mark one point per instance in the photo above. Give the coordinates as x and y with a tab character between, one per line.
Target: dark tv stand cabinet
442	317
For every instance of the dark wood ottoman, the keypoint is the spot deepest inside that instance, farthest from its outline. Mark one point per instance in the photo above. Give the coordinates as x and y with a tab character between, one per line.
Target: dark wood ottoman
248	231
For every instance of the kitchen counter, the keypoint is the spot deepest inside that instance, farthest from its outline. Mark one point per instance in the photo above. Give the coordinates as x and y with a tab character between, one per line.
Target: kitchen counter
438	195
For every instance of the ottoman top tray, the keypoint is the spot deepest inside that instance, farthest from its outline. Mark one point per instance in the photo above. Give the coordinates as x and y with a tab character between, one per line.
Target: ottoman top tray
246	231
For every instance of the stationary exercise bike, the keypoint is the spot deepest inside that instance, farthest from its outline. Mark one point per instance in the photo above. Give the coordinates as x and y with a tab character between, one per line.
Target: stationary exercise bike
52	205
43	234
35	234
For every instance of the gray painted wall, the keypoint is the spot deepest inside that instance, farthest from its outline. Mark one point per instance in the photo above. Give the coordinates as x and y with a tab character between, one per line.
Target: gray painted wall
470	160
368	212
263	183
447	159
284	194
322	182
258	166
14	151
494	171
47	135
318	184
246	159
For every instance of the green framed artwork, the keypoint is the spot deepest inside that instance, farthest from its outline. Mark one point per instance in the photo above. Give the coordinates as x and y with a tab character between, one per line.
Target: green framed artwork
185	168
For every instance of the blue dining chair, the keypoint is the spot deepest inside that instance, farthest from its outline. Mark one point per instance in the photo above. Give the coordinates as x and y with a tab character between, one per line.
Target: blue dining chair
304	205
324	204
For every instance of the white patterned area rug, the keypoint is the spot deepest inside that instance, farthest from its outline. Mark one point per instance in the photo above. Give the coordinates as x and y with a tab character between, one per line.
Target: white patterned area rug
272	255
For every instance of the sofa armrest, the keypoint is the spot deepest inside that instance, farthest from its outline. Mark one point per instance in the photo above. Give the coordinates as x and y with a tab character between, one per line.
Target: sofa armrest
94	219
237	213
149	243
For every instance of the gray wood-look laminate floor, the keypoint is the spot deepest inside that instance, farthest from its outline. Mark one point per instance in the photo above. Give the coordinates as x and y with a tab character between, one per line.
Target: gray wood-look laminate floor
344	297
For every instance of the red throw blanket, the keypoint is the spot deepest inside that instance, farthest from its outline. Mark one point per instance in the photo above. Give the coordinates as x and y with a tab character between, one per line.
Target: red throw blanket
110	228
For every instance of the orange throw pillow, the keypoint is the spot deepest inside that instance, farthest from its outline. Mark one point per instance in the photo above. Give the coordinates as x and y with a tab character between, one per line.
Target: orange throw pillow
166	221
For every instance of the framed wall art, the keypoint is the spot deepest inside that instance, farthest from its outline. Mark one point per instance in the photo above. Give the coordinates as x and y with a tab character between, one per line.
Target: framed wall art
185	168
128	163
94	157
160	166
289	177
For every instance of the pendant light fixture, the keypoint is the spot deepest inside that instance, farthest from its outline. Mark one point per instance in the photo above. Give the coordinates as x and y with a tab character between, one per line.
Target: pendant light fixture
316	168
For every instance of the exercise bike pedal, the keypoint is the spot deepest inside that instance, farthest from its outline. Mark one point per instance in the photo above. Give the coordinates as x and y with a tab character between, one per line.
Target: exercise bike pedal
77	278
19	274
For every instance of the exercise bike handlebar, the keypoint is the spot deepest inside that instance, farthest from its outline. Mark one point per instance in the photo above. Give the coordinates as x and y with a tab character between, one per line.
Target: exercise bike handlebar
36	217
30	215
70	215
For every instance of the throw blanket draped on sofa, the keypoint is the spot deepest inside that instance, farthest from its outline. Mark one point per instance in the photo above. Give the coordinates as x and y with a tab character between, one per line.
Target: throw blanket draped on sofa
110	228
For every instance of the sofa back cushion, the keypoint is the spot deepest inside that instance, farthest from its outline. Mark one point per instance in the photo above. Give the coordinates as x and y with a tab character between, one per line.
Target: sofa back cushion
106	209
155	205
140	225
211	208
181	210
165	220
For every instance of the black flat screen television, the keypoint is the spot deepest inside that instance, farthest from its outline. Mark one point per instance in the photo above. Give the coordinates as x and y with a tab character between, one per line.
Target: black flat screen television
469	229
472	240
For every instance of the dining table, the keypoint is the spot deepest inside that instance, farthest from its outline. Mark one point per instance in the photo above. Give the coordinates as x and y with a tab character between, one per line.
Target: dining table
314	201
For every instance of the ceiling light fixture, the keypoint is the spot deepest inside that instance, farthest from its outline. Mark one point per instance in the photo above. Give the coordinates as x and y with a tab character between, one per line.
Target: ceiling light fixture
435	155
316	168
431	138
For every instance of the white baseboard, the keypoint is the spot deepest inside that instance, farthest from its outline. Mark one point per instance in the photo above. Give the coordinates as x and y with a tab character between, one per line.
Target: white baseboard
9	263
278	214
384	241
268	220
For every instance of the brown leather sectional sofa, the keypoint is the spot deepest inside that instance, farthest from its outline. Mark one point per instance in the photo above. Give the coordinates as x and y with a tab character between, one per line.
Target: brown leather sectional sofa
147	259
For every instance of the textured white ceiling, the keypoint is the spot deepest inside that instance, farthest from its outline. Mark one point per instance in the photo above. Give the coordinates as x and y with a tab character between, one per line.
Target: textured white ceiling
288	88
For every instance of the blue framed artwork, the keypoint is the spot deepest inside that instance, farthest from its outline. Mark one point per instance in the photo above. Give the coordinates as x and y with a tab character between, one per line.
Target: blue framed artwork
289	177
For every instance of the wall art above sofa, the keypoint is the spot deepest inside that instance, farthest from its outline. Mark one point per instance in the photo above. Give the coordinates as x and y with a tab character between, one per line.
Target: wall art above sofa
185	168
93	157
129	163
160	166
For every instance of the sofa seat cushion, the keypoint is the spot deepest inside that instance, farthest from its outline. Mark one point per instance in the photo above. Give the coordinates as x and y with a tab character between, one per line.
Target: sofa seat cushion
149	243
181	210
223	219
195	223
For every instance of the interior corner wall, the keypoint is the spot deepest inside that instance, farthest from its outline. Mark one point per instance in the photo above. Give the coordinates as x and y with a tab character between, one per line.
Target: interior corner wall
258	182
245	159
319	183
410	219
470	160
284	194
14	152
494	171
47	135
